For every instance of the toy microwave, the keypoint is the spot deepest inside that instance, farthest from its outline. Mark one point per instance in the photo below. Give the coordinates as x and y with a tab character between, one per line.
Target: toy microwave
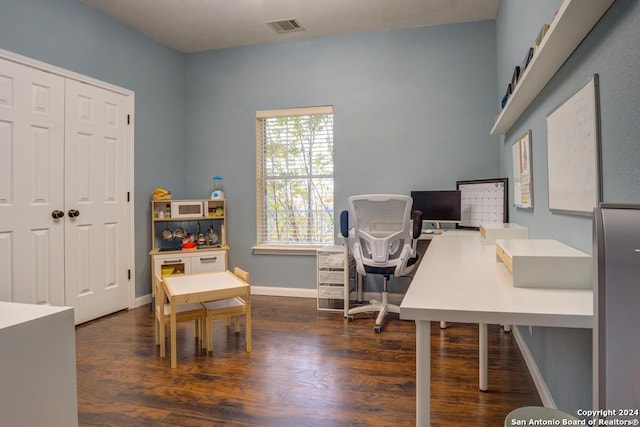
187	208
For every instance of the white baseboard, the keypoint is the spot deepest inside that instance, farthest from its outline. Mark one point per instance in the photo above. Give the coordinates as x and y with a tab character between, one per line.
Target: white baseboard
541	386
143	300
284	292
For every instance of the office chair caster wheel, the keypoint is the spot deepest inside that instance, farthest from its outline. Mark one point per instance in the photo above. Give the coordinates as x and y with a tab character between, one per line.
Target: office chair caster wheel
350	318
377	329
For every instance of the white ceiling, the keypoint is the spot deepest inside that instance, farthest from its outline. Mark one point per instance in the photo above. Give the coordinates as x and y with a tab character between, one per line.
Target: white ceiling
198	25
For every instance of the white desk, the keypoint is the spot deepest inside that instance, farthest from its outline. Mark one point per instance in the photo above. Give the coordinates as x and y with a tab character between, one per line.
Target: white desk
459	280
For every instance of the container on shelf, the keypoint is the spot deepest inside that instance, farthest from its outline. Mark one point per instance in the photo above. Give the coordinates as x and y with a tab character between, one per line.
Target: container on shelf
218	193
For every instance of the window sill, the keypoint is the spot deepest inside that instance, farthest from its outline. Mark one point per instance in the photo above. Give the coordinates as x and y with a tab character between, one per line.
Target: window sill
286	249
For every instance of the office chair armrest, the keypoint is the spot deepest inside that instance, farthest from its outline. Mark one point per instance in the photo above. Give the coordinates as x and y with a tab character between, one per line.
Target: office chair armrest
407	261
357	258
416	216
344	224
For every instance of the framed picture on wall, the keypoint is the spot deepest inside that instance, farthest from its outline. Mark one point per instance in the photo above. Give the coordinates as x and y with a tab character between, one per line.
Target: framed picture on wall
522	176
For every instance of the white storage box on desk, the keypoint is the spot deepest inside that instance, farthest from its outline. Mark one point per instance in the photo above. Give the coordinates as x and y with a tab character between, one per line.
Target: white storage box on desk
502	230
545	263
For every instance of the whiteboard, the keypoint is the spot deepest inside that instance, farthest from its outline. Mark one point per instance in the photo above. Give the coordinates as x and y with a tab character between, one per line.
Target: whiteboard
483	200
573	150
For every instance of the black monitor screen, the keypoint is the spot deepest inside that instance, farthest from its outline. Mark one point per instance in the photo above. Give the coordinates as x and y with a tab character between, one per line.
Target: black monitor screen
441	205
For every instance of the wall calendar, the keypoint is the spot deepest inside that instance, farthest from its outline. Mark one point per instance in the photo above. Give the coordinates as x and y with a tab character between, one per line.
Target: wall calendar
483	200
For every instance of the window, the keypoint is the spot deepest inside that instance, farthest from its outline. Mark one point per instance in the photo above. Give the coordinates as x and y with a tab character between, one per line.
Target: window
295	177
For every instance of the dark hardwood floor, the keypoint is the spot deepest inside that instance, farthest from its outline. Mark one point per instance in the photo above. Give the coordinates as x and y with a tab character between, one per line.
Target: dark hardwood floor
307	368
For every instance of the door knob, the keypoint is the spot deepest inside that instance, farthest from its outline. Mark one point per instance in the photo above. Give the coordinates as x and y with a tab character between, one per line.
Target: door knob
57	214
73	213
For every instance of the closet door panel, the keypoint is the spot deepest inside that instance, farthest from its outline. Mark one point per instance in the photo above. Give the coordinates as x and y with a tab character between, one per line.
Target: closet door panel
31	185
96	187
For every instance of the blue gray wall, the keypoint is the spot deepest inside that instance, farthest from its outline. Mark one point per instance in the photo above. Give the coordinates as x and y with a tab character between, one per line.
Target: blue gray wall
412	111
409	111
611	50
71	35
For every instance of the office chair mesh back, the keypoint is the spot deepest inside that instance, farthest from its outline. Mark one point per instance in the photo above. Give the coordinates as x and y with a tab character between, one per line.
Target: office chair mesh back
382	229
382	243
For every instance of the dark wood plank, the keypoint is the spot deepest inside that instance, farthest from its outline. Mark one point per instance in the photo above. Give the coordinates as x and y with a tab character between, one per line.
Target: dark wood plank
307	368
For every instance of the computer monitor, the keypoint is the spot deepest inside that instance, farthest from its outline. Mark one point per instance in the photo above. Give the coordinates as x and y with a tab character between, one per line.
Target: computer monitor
442	206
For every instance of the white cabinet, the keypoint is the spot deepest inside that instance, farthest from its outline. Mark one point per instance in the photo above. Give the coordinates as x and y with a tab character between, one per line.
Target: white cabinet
37	365
336	279
198	261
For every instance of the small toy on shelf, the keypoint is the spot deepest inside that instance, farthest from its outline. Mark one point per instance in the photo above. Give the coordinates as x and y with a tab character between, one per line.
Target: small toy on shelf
161	194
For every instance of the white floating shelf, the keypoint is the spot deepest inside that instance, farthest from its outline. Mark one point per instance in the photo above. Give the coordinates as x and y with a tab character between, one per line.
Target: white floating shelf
572	23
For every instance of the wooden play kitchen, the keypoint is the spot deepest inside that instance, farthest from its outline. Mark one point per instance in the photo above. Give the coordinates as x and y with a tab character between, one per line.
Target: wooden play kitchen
188	236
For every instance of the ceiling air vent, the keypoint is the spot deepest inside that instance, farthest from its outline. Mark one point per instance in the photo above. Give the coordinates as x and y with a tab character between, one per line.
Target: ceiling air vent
285	26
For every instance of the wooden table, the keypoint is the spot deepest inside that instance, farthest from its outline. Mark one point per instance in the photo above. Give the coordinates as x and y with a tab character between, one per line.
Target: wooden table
195	288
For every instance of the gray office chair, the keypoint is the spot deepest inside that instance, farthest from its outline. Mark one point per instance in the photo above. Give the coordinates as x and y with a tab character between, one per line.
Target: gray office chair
383	241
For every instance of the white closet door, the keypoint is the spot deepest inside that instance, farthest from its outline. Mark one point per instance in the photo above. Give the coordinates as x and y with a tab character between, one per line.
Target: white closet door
97	240
31	185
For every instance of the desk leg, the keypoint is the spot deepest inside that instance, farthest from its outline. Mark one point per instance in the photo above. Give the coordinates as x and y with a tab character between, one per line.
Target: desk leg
174	350
423	373
247	330
483	356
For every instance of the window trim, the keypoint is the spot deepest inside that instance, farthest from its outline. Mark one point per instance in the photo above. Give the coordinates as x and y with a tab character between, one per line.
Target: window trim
271	248
287	112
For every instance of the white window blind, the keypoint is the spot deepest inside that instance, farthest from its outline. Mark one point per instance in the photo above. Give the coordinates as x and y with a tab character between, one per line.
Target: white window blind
295	176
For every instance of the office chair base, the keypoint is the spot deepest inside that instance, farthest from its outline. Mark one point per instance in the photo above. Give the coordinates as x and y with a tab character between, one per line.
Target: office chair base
375	306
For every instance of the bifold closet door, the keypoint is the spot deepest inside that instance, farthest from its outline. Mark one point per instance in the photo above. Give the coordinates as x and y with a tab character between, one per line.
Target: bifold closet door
64	179
31	185
97	231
